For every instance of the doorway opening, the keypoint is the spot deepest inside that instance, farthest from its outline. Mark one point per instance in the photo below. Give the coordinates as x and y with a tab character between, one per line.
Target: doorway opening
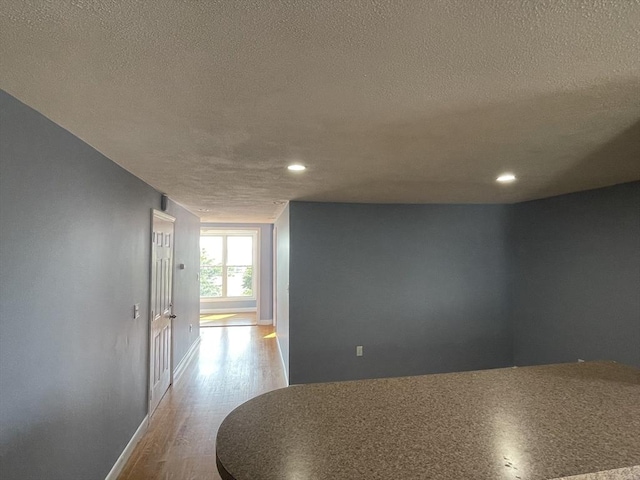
229	277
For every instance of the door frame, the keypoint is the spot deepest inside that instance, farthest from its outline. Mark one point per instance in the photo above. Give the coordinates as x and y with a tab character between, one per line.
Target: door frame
163	216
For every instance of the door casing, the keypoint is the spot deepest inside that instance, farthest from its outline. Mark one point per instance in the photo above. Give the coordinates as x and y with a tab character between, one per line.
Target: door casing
161	216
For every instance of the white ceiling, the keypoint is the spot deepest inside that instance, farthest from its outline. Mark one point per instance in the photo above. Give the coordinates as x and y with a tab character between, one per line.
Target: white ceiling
384	101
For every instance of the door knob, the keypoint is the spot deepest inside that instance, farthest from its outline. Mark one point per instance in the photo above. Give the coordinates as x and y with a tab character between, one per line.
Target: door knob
172	316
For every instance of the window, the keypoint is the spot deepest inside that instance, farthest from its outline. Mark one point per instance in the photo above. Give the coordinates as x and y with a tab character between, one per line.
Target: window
227	264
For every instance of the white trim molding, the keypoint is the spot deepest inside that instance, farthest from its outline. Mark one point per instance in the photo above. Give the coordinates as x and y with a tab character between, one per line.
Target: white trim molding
128	450
268	321
186	360
284	366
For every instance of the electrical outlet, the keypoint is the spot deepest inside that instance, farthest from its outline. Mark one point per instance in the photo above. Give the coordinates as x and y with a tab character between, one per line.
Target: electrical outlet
359	351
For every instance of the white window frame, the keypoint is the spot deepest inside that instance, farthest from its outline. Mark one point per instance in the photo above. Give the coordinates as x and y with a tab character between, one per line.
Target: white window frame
245	232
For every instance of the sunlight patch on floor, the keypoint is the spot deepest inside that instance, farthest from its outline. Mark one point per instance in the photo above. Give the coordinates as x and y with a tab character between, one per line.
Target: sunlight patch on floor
228	319
219	316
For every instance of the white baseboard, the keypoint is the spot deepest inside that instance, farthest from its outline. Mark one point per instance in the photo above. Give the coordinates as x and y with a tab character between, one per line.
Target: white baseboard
265	322
128	450
228	310
184	363
284	366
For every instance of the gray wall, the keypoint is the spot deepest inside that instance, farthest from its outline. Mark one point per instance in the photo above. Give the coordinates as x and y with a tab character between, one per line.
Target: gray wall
421	287
266	271
281	227
186	283
74	258
576	277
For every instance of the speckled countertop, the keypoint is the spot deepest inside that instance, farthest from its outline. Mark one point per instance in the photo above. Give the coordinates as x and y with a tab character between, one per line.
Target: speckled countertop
531	423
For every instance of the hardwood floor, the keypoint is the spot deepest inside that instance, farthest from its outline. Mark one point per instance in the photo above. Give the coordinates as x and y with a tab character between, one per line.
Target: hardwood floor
233	365
228	319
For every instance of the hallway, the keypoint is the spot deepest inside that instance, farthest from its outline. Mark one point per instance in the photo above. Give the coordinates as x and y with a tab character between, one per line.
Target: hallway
233	365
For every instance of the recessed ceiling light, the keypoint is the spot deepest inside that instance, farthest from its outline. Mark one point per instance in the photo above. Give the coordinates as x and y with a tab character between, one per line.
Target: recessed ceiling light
506	178
296	167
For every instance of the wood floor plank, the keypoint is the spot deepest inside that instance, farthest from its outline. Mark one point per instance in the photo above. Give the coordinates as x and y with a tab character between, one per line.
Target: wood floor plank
233	365
228	319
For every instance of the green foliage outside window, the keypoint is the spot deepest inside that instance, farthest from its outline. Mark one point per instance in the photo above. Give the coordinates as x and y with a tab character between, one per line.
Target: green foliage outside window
247	282
211	277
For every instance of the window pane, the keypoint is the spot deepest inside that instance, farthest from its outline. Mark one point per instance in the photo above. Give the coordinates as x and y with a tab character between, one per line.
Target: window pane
239	282
210	281
211	250
239	250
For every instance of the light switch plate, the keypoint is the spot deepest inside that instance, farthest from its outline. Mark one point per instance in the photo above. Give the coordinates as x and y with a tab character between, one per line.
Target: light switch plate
136	311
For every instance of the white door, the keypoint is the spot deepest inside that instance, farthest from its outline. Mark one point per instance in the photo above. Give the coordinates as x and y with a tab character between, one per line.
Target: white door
160	308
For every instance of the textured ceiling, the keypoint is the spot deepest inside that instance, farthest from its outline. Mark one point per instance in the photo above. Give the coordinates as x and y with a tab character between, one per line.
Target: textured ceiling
384	101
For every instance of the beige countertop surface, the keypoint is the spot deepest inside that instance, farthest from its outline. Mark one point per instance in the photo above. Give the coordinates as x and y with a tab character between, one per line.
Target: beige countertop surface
543	422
